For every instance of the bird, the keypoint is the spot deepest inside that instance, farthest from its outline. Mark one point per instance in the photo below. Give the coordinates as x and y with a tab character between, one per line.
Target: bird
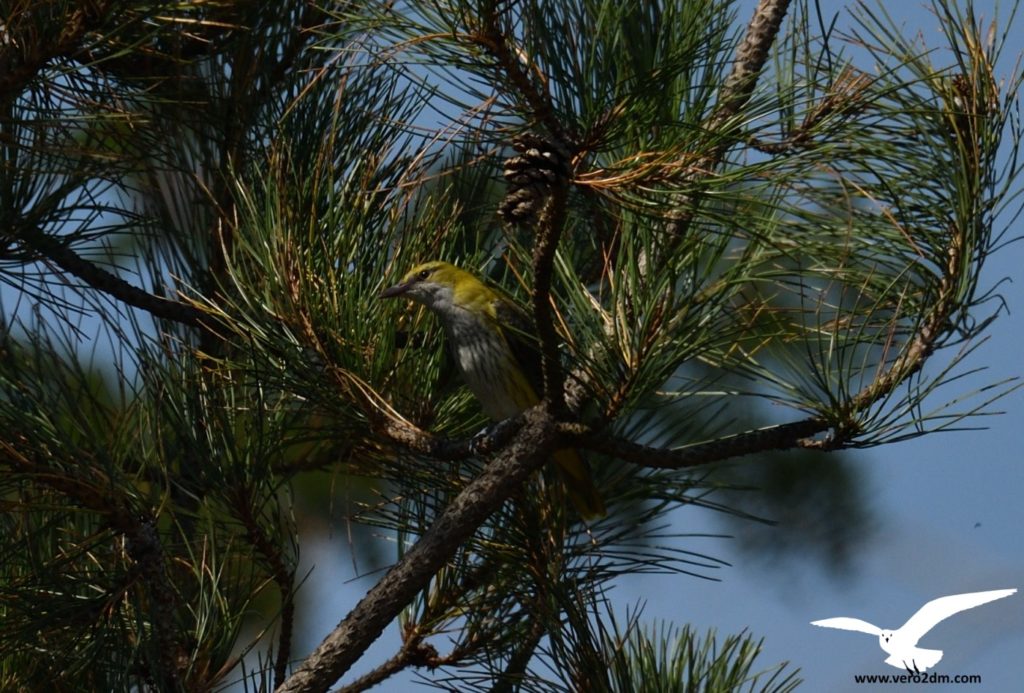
492	342
901	644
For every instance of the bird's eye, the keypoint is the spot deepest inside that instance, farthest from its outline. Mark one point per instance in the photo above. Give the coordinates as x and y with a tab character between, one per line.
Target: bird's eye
423	275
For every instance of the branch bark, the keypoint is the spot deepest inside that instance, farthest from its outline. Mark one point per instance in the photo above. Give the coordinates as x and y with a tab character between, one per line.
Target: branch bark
527	452
282	574
511	60
781	437
750	59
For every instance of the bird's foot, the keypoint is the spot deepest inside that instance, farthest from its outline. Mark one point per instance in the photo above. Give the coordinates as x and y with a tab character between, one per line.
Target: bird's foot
479	443
494	436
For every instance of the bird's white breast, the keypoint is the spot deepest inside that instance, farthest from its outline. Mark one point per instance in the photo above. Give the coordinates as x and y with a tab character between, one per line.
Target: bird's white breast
486	364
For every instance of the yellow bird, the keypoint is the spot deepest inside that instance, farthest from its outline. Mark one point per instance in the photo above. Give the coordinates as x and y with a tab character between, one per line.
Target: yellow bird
490	339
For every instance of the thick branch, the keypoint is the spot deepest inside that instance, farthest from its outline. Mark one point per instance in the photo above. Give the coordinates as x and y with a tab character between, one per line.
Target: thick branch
382	604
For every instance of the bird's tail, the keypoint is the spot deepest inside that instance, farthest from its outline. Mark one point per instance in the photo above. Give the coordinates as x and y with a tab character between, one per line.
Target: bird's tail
579	484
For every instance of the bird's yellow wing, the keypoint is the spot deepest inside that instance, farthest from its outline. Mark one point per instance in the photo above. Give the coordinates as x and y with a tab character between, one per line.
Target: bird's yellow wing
520	335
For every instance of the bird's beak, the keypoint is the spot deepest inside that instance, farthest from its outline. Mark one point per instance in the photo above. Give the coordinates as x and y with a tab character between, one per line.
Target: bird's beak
396	290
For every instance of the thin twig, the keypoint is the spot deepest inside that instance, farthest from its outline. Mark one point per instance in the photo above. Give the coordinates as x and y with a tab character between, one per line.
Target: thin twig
414	652
401	660
515	671
935	324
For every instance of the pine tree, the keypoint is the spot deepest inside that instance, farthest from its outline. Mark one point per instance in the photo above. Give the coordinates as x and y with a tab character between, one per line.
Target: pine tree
200	204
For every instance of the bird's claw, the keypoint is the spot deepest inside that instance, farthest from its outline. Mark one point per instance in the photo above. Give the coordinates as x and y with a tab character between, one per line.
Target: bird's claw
479	443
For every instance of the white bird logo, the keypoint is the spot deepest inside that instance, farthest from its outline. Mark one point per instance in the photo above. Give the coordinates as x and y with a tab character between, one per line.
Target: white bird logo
901	644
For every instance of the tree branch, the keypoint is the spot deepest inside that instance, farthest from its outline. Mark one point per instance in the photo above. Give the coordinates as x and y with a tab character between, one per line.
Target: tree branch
515	671
109	283
401	660
281	573
933	326
549	229
780	437
495	40
540	177
488	441
527	452
414	652
751	56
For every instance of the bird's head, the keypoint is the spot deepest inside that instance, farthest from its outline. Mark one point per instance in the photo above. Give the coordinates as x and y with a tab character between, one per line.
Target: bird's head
439	286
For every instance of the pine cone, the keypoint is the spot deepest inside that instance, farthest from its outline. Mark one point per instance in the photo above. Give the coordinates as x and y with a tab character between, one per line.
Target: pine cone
532	175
